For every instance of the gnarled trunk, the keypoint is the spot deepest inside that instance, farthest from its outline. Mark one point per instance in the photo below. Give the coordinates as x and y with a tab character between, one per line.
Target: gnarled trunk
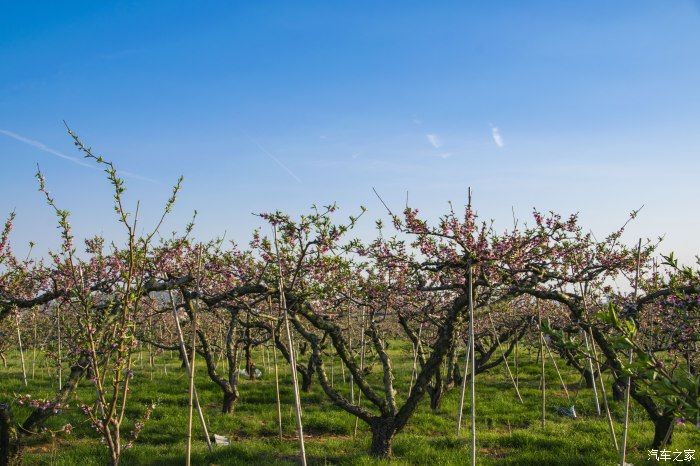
229	400
382	435
9	439
618	390
663	425
436	396
39	415
588	378
307	375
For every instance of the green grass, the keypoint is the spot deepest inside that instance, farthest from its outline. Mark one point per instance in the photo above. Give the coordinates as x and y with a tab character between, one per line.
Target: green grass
508	432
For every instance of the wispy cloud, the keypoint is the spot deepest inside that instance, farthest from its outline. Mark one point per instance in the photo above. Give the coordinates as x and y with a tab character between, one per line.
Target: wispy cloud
43	147
266	152
443	155
136	176
434	140
496	135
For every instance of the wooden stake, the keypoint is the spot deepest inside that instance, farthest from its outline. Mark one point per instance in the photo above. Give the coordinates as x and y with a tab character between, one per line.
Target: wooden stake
464	388
352	385
542	376
277	380
362	365
590	368
515	363
628	388
21	351
605	396
192	364
505	360
611	427
292	356
471	344
60	362
181	341
556	368
34	345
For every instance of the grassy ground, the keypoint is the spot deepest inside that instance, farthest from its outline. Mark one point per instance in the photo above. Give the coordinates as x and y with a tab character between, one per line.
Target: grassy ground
508	432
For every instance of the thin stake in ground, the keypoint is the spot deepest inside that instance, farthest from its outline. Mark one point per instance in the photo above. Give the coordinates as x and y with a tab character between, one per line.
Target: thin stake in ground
292	356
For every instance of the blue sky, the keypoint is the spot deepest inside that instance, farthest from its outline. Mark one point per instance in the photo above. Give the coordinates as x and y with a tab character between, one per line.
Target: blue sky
568	106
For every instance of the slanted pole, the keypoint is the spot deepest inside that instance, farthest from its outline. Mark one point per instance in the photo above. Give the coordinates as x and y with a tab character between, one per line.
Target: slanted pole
21	351
590	369
191	364
292	356
472	375
464	388
277	378
628	387
362	365
181	341
505	360
542	376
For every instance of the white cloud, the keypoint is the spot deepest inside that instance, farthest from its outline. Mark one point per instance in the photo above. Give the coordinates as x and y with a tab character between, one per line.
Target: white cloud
496	135
435	140
443	155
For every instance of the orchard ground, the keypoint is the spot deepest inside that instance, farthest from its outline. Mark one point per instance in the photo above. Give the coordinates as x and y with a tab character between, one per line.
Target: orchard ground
508	432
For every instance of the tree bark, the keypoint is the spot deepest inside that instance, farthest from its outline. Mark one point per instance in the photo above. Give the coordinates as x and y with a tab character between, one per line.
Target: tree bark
662	425
229	400
436	395
618	390
307	375
39	415
382	435
9	438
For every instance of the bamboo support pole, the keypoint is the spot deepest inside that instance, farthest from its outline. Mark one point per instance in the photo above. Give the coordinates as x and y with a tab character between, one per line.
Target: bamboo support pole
21	350
542	376
277	379
292	356
505	360
181	341
464	388
628	387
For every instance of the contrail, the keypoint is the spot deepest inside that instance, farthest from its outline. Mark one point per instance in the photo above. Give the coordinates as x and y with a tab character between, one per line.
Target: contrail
276	160
136	176
43	147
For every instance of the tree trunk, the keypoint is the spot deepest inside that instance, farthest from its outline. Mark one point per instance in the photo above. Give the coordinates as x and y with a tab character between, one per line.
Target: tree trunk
382	435
39	415
618	390
9	439
307	375
249	365
661	427
436	396
306	381
229	400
